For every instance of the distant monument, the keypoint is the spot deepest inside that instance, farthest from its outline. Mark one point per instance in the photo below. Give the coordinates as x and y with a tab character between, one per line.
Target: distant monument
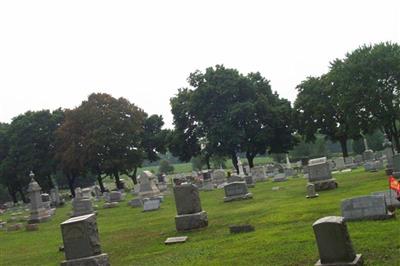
38	212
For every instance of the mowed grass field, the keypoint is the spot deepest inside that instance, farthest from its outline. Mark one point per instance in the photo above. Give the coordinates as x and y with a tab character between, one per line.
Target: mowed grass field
283	221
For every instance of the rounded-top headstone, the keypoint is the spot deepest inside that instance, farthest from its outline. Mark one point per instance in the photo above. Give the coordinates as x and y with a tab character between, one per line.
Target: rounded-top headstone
333	240
187	199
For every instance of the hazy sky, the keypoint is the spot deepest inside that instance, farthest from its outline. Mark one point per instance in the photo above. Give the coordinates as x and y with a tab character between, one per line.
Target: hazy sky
55	53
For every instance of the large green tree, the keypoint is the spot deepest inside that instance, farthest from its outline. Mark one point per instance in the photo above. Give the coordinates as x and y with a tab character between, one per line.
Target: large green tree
319	110
227	112
372	92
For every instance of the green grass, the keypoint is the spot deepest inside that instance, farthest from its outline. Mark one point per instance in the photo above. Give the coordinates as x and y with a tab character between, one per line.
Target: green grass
282	219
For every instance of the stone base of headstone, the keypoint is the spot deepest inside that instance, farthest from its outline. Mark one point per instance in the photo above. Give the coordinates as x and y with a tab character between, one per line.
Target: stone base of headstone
279	178
325	184
207	186
99	260
312	196
238	197
135	203
32	227
358	261
186	222
39	216
108	205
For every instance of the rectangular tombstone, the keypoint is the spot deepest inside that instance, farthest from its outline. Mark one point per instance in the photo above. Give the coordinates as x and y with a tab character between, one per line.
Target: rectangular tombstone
396	165
81	206
365	208
236	191
258	173
218	176
368	155
317	161
279	178
114	196
151	205
249	181
334	243
319	171
187	199
339	163
234	178
80	237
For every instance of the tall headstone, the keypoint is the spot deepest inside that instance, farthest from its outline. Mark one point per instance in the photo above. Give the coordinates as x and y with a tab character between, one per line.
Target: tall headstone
334	243
319	174
236	191
38	213
388	151
55	197
81	205
190	215
81	242
148	187
396	166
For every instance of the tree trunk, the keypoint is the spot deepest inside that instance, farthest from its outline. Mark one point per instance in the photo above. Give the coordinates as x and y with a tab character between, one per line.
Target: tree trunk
343	145
71	181
117	181
133	176
21	192
396	137
208	162
50	182
250	158
100	181
235	162
12	193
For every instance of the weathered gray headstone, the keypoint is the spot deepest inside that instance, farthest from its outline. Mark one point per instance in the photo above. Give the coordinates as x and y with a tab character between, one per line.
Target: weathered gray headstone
135	203
365	208
396	165
281	177
320	174
38	214
218	176
148	187
311	191
339	163
81	242
234	178
188	206
236	191
114	196
334	243
258	173
388	151
151	204
81	205
249	181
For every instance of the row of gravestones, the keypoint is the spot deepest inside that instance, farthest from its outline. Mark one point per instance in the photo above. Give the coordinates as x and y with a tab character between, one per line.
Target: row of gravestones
82	246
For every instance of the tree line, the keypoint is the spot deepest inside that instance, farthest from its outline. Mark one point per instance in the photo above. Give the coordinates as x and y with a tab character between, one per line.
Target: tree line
221	113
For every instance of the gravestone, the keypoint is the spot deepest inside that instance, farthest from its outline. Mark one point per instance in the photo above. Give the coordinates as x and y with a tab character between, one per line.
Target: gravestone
258	173
311	191
368	155
46	201
175	240
87	193
235	229
81	205
372	207
55	197
81	242
249	181
320	174
339	163
358	159
188	206
236	191
396	166
234	178
97	192
281	177
373	165
390	198
151	204
218	176
350	163
135	202
148	187
207	185
334	243
114	196
38	213
388	151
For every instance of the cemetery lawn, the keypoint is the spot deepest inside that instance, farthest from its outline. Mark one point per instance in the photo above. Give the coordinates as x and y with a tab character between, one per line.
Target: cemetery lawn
282	219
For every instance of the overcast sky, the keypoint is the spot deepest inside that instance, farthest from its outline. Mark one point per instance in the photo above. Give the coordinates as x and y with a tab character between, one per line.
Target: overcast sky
55	53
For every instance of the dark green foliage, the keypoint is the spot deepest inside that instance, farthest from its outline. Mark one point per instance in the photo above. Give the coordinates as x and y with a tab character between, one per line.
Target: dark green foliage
165	167
228	112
